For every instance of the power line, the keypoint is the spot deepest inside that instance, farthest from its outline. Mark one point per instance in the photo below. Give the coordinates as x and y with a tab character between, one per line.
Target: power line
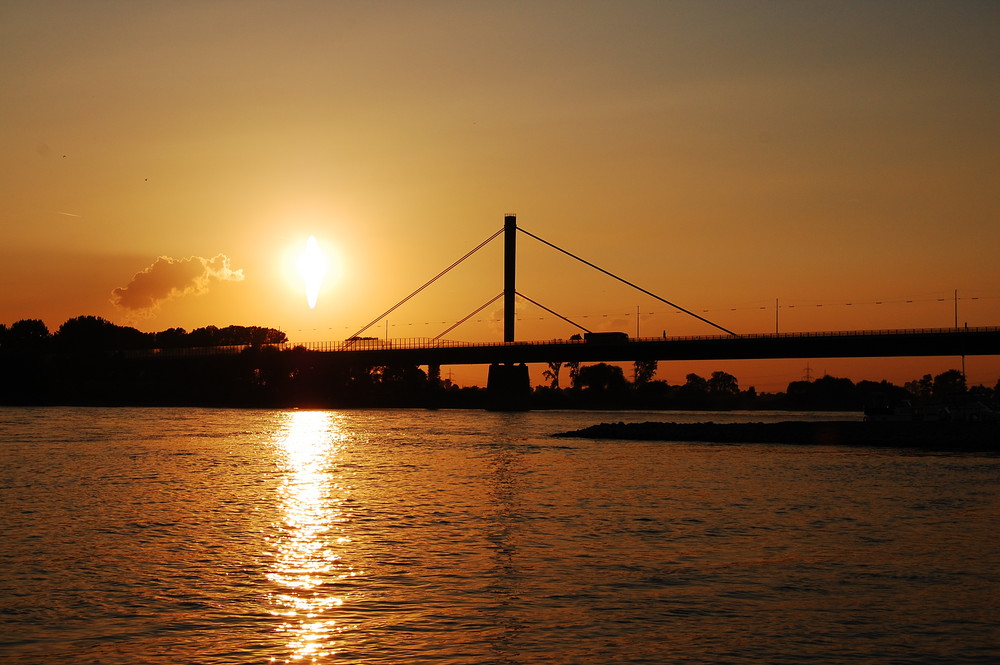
724	308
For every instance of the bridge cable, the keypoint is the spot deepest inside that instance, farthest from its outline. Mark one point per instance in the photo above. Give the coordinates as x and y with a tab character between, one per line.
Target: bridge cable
434	279
553	312
477	311
624	281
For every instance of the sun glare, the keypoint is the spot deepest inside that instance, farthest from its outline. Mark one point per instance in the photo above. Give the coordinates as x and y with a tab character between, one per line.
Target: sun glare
312	267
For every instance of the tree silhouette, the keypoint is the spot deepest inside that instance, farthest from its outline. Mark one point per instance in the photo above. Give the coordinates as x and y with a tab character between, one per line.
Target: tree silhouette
171	338
826	392
722	383
27	334
921	389
552	374
206	336
574	373
602	377
645	370
949	385
93	333
695	384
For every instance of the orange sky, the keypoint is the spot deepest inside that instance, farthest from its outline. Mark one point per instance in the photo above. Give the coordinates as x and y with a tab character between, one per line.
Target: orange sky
719	154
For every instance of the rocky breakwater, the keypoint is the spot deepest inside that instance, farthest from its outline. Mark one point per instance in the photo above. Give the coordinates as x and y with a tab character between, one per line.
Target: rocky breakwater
954	436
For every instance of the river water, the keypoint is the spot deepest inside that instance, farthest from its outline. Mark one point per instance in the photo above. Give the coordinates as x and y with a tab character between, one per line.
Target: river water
410	536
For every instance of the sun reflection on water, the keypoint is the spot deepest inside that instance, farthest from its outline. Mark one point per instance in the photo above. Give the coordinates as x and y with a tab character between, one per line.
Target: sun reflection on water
307	547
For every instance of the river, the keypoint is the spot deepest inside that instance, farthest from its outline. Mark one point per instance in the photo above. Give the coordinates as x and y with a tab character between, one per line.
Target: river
408	536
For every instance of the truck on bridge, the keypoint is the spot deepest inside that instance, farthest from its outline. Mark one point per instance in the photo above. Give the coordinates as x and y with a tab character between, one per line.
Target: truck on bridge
605	337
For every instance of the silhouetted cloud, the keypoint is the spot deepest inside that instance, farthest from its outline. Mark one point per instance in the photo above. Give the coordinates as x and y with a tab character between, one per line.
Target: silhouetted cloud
171	278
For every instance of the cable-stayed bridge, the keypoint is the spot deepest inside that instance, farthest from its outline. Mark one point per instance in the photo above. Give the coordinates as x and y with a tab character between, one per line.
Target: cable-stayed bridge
507	359
591	346
509	383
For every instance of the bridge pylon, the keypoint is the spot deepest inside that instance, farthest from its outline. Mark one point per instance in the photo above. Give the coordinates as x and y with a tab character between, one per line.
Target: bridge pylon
508	386
509	270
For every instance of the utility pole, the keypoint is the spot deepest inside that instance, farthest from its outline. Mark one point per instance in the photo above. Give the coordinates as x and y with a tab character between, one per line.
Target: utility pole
956	309
956	328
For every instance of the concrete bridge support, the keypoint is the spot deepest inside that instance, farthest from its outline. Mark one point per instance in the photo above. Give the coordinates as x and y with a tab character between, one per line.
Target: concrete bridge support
508	387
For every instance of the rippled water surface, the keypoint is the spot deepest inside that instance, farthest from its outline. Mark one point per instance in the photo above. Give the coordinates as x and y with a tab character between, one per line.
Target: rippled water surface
231	536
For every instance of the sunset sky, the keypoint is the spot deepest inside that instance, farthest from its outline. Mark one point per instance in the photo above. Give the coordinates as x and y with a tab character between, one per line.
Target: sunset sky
830	155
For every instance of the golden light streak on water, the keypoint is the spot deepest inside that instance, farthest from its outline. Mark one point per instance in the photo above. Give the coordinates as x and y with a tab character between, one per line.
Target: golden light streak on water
307	549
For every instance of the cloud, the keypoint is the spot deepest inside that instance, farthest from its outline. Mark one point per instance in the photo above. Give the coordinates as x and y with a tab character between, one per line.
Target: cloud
171	278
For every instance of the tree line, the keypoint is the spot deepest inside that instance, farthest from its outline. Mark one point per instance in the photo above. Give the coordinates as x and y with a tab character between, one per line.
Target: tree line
86	361
98	334
607	385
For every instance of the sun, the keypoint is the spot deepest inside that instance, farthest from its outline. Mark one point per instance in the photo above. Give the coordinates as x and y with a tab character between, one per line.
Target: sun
312	267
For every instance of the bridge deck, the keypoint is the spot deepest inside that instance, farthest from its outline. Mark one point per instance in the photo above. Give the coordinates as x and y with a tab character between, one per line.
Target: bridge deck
844	344
863	343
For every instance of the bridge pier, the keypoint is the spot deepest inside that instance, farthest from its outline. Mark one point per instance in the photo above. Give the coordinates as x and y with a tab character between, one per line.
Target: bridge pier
508	387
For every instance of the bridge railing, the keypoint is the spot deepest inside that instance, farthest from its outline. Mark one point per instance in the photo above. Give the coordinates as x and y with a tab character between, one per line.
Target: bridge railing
824	333
430	343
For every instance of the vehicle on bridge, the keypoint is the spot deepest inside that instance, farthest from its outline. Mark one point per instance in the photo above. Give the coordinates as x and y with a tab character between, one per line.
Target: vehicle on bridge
605	337
366	343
